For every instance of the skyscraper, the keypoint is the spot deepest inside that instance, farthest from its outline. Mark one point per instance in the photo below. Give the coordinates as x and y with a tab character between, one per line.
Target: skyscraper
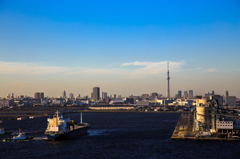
185	94
92	95
12	95
168	85
71	95
213	93
190	94
179	93
96	93
226	94
64	94
104	95
42	95
37	95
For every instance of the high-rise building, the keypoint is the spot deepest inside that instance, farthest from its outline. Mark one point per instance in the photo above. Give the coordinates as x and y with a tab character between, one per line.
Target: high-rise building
119	96
113	96
145	96
190	94
185	94
37	95
106	100
96	93
71	95
154	94
213	93
230	100
226	94
168	84
8	96
92	95
42	95
104	95
179	93
64	94
12	95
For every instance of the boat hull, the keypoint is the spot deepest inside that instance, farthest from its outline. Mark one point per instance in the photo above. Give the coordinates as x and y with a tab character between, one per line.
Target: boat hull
27	139
6	133
72	134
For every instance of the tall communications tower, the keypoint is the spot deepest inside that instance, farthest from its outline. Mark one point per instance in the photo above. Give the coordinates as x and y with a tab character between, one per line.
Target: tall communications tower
168	85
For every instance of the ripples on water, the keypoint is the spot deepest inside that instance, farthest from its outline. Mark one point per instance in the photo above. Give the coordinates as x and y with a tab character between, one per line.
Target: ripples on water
114	135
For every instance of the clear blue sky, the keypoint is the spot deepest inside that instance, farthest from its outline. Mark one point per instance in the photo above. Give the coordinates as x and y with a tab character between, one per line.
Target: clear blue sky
52	46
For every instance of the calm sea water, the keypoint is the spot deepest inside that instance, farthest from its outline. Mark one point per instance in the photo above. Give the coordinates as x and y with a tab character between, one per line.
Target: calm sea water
115	135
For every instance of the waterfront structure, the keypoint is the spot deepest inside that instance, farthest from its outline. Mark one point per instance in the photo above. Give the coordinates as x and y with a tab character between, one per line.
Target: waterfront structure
64	94
190	94
96	93
210	117
185	94
168	84
179	93
202	115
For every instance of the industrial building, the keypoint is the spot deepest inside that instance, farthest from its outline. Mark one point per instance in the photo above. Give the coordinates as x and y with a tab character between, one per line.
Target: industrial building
210	116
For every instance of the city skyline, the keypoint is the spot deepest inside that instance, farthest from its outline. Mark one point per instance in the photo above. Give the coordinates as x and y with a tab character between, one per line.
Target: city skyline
121	48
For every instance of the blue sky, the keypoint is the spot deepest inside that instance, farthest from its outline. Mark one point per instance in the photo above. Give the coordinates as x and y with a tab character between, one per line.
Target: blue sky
120	46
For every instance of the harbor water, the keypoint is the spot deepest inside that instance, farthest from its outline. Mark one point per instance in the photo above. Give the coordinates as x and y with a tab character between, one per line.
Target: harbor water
114	135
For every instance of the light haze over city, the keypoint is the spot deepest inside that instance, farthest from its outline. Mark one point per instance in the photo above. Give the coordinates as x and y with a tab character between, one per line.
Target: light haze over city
122	47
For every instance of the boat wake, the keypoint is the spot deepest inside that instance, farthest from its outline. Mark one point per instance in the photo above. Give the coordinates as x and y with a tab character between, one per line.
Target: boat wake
100	132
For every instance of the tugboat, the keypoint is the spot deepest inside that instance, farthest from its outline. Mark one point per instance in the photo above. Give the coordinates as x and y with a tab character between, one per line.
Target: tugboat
20	137
2	132
60	129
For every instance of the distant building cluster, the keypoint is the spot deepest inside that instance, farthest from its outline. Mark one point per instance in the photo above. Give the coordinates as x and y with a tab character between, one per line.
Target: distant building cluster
154	98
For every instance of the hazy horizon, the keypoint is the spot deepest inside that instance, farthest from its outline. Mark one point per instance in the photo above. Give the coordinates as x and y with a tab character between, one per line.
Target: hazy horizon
121	47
